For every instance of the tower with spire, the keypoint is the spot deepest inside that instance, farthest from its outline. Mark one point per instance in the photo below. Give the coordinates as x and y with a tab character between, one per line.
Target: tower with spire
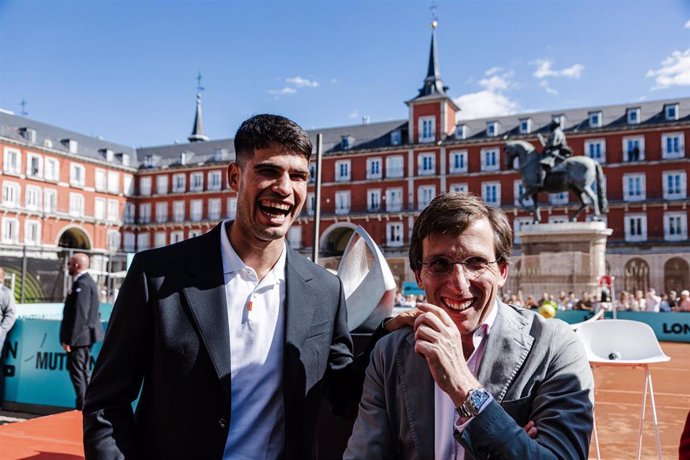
432	112
198	130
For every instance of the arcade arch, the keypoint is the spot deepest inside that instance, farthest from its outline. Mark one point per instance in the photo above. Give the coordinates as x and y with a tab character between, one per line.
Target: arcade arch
636	275
676	275
334	239
74	238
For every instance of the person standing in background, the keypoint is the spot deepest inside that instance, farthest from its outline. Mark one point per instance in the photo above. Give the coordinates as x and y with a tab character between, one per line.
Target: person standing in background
7	318
81	325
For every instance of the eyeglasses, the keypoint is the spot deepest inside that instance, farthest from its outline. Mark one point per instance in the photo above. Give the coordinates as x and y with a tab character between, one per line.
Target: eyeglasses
472	266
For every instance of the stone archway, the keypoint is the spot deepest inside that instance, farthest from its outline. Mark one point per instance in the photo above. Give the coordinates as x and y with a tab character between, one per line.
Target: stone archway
74	238
676	275
636	275
334	240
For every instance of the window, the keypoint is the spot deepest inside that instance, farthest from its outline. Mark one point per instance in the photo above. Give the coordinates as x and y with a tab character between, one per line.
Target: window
525	126
312	173
672	145
458	188
232	208
176	236
347	142
635	227
342	202
196	182
214	208
342	170
145	186
427	129
12	162
674	185
142	241
595	120
196	210
127	181
10	194
394	199
76	204
394	234
425	194
426	165
10	230
491	193
560	198
162	184
675	226
396	138
99	209
160	239
99	177
633	148
144	213
128	245
633	116
461	132
458	161
294	236
634	187
214	180
374	168
374	200
34	165
130	211
162	212
179	183
32	232
49	200
113	182
33	197
518	189
671	111
490	159
178	211
113	240
113	212
52	169
311	200
77	175
491	128
394	166
596	149
519	224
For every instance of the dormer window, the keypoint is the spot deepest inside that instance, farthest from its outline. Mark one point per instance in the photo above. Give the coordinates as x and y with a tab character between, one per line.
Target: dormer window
525	125
125	159
149	162
560	119
71	145
347	142
427	129
492	128
595	120
461	132
396	137
108	154
633	116
29	134
671	112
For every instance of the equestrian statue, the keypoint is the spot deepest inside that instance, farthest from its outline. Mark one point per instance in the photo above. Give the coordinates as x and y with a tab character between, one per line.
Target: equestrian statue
555	171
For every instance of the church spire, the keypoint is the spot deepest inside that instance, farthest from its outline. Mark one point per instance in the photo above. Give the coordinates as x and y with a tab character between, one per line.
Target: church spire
198	131
433	84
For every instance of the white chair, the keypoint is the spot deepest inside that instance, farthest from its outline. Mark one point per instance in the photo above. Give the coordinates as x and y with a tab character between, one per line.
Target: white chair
624	343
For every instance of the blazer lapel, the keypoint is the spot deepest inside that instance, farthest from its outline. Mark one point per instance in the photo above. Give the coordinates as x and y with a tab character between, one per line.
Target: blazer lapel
506	351
204	292
417	394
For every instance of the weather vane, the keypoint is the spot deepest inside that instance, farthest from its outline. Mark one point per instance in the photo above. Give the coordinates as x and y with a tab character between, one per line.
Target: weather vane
434	16
23	104
199	88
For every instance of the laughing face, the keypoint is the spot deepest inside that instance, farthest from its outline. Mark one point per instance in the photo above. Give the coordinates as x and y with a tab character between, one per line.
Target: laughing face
466	292
271	188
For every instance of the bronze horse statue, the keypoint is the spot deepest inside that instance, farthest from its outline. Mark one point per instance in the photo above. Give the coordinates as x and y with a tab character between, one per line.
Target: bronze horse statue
576	173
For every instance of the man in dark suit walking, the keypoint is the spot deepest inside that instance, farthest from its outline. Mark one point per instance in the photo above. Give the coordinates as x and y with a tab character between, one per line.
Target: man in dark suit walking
232	336
81	325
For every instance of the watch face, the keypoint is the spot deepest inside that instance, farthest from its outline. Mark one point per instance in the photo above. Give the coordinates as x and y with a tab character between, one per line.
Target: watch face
478	397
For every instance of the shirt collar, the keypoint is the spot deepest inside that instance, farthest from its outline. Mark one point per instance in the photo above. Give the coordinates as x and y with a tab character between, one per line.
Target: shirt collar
232	262
488	322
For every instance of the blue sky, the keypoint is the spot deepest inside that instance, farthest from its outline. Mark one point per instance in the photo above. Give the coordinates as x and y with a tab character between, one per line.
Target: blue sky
126	70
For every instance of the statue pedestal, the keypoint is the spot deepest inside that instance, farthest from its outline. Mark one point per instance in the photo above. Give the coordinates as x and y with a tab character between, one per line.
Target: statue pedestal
561	257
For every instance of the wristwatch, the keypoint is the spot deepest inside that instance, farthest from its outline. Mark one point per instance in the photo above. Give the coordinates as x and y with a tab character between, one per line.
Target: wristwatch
476	398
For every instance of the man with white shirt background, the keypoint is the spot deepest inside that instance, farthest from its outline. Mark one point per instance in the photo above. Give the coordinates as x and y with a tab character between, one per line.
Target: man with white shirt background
475	378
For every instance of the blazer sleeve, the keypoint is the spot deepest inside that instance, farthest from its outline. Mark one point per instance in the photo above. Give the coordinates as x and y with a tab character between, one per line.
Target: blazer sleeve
119	372
561	406
8	314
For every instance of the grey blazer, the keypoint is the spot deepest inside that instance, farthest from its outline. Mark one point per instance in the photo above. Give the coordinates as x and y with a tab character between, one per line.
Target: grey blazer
535	369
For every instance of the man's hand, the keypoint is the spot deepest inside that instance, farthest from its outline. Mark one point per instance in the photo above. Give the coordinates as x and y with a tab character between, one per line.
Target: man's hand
531	429
437	338
404	319
66	347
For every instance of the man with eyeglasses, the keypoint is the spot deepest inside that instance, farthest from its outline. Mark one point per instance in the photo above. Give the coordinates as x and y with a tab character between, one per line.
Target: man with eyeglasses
475	378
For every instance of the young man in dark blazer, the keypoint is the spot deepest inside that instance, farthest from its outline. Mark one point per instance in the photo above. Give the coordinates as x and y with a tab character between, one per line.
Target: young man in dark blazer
81	325
231	336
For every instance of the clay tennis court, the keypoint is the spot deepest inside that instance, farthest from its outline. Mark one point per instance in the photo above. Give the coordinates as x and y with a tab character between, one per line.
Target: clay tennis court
618	396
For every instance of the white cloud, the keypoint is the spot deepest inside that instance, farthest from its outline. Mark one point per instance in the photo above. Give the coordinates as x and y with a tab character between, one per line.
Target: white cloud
674	71
491	101
687	25
282	91
545	84
294	84
353	114
545	70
